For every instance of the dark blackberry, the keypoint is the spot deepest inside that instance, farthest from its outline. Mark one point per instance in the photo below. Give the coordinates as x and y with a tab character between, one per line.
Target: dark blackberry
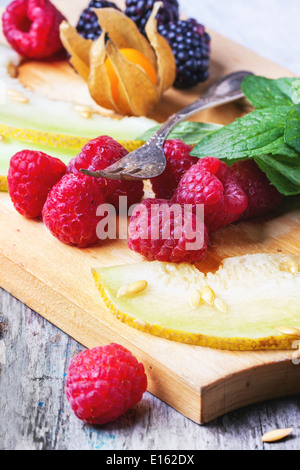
140	10
191	47
88	26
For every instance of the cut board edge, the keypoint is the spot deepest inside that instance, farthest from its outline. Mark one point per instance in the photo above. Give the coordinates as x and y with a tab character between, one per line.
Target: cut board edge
202	404
31	294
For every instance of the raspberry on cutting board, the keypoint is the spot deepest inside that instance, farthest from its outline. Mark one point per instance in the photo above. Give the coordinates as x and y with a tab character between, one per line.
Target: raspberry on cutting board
178	161
98	154
233	203
160	234
104	382
31	27
262	196
31	175
199	185
211	183
70	210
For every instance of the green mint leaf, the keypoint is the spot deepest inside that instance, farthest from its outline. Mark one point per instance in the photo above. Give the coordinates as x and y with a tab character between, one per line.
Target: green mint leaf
283	173
256	133
266	93
296	92
292	128
189	132
276	147
279	147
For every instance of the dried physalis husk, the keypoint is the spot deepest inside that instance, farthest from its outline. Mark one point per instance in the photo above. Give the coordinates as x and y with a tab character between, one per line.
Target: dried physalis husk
78	47
165	58
123	32
134	84
137	94
98	80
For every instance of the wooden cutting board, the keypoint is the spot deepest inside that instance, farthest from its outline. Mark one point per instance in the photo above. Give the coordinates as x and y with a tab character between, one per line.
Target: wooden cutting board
55	280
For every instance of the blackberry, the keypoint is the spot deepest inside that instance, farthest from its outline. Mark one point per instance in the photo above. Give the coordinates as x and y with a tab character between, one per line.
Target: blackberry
140	10
88	26
191	47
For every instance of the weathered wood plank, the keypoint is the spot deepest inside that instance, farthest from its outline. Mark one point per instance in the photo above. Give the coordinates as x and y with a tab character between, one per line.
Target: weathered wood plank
36	415
55	280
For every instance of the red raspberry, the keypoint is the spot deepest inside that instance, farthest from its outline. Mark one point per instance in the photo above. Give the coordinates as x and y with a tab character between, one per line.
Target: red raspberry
160	234
179	160
211	183
104	382
31	175
31	27
262	196
210	164
231	206
70	210
199	186
98	154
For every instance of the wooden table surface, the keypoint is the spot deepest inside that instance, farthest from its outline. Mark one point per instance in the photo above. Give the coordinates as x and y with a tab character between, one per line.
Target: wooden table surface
35	415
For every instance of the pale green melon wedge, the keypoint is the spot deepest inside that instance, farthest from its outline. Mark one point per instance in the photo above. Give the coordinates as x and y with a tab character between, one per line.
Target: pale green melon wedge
260	292
52	127
43	116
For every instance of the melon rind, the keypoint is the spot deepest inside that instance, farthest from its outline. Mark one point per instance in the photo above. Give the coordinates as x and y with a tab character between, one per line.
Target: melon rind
259	295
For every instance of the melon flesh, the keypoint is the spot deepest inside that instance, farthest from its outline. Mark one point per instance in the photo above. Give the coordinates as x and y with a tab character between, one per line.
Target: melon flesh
52	127
59	117
259	296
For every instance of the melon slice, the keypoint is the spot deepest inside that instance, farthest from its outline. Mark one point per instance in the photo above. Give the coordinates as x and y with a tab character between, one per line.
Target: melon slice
255	302
60	118
58	128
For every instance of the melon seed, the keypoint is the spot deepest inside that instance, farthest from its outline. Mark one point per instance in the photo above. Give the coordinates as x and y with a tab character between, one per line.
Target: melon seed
208	295
288	330
220	305
276	435
134	288
195	298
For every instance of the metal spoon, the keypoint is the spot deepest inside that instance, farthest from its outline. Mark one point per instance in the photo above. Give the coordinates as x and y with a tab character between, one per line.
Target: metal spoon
149	161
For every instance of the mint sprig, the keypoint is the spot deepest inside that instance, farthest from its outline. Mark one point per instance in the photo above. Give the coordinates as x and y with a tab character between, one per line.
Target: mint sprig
270	134
292	128
284	173
267	93
246	137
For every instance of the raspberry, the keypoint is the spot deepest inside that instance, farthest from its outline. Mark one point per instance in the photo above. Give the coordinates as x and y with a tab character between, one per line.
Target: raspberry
210	164
199	186
31	175
211	183
233	203
104	382
98	154
160	234
190	44
179	160
31	27
262	196
70	210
